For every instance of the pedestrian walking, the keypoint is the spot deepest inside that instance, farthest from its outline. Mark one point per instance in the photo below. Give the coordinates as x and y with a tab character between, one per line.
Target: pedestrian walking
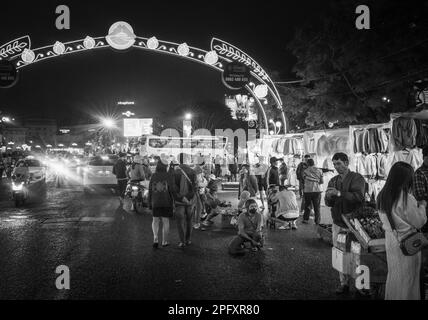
119	170
185	186
260	170
201	184
161	202
345	194
401	215
313	178
301	167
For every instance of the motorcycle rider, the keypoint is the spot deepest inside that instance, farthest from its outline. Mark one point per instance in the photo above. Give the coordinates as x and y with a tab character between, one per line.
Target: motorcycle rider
146	167
136	171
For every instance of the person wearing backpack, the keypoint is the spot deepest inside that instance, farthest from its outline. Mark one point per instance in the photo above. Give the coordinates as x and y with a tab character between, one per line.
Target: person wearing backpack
185	186
161	202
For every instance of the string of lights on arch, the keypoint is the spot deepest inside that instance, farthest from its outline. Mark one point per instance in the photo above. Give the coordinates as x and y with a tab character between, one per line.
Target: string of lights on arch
20	53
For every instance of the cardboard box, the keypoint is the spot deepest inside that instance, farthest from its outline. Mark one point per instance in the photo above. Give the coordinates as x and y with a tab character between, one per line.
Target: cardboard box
341	261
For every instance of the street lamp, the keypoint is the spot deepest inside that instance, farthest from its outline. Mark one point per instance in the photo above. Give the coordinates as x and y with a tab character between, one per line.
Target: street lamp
188	116
107	123
277	126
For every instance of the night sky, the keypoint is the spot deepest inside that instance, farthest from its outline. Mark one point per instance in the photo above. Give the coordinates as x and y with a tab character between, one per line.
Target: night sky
66	86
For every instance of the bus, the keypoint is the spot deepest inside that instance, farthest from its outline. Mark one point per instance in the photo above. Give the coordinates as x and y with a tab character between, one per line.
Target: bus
195	146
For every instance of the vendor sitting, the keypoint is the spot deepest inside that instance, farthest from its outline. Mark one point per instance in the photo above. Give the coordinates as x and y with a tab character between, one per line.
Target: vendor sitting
211	203
287	210
249	229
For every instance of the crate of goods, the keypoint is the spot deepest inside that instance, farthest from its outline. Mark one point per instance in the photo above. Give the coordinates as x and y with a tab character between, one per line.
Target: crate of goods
325	233
375	262
366	225
228	218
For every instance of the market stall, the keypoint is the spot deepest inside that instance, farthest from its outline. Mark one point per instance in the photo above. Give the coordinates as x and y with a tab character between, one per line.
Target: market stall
363	245
287	146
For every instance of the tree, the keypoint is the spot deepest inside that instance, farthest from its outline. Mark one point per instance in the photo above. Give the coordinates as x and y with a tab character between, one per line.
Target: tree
346	72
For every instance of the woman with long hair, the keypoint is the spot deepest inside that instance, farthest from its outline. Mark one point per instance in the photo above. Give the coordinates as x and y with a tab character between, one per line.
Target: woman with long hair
396	203
161	195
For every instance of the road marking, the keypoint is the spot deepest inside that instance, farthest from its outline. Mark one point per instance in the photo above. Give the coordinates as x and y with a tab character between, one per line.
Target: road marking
97	219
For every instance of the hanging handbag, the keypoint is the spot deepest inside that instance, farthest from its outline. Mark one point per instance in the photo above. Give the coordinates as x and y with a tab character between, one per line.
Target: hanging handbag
412	243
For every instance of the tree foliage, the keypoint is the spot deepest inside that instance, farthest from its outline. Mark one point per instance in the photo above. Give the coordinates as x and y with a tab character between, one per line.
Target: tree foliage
346	72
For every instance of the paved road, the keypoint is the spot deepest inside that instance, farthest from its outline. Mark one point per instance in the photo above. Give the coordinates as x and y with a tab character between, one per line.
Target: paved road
109	252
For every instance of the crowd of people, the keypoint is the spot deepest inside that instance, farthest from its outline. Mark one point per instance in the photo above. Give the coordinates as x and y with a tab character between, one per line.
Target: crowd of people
185	191
189	193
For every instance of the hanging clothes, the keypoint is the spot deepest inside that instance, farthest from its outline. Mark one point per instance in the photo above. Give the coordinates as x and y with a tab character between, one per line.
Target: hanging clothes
415	158
404	133
358	140
274	146
422	133
371	166
280	147
360	164
381	160
383	136
323	146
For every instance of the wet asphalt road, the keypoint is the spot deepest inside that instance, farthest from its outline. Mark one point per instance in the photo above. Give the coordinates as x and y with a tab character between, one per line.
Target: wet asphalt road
108	250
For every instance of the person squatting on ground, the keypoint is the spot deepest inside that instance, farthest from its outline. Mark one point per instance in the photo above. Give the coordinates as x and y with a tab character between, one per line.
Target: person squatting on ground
401	214
185	186
345	194
313	178
249	229
161	202
119	170
286	208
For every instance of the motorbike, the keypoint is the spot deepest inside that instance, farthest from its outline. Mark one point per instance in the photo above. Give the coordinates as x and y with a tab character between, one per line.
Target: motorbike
138	192
19	190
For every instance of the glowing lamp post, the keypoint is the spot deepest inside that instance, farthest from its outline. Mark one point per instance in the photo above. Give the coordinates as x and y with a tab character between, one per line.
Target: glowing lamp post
187	125
108	123
277	126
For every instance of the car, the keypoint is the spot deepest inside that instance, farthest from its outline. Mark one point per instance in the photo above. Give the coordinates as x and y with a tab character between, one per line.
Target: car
32	167
99	172
28	180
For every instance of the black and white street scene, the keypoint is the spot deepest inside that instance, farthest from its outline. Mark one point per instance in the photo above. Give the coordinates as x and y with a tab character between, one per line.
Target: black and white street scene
182	150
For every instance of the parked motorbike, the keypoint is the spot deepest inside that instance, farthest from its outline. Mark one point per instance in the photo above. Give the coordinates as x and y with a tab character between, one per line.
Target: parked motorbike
138	192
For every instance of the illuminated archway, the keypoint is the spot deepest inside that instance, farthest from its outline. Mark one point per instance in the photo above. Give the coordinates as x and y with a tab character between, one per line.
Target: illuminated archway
262	88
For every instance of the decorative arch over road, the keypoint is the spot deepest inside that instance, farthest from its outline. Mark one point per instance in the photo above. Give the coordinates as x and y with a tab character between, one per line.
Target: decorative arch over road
122	37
